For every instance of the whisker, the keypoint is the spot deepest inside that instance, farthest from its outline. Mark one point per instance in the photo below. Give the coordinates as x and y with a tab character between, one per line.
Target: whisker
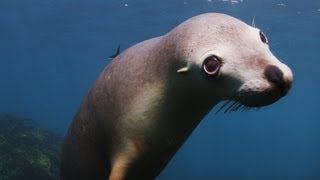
223	106
237	107
229	109
233	106
253	24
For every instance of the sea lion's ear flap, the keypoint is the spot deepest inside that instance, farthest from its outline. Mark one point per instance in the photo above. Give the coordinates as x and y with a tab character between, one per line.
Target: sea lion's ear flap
183	70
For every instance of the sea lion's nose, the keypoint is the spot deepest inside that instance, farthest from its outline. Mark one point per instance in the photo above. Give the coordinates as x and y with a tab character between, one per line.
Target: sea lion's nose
274	75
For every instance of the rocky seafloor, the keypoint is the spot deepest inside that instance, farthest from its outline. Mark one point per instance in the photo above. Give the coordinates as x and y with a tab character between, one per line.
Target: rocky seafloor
27	151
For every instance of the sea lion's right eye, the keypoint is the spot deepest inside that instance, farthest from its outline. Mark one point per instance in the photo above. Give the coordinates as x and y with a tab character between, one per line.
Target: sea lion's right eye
211	65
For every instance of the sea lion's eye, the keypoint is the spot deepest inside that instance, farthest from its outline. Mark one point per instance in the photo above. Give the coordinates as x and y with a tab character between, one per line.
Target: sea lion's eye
263	38
211	65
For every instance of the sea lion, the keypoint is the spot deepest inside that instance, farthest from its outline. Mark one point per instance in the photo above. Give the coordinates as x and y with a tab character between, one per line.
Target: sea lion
148	100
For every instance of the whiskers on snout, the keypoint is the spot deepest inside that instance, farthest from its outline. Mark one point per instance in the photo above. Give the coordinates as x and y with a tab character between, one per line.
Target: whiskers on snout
256	93
233	106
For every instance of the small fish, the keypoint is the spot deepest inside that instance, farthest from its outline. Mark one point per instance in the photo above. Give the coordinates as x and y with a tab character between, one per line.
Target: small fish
116	54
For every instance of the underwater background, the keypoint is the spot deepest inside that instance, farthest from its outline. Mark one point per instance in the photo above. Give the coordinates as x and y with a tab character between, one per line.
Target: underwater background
51	51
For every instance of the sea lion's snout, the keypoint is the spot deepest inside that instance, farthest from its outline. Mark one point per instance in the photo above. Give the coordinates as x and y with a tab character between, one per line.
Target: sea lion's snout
276	77
274	82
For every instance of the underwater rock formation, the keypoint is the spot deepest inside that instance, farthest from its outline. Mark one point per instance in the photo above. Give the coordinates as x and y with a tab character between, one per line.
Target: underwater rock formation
27	151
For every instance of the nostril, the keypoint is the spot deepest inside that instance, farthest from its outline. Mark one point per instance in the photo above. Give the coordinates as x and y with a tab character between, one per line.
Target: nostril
275	75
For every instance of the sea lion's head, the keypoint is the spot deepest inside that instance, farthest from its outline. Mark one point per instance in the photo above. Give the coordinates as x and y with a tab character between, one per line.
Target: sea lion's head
232	60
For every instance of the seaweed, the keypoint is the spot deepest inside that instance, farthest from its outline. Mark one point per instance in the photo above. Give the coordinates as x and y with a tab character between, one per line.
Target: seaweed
27	151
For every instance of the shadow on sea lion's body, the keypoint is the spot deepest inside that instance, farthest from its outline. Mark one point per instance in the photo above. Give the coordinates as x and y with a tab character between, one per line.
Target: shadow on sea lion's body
148	100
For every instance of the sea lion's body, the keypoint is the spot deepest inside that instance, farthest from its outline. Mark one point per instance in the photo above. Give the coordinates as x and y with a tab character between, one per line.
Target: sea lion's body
149	98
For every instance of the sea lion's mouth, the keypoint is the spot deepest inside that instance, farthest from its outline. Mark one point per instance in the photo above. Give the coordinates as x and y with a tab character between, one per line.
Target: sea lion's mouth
259	99
259	92
246	100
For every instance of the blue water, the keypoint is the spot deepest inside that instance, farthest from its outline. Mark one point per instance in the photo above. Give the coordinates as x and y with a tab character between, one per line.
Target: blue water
51	51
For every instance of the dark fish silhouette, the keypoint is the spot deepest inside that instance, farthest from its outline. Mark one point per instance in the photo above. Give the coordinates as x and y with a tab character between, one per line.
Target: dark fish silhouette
116	54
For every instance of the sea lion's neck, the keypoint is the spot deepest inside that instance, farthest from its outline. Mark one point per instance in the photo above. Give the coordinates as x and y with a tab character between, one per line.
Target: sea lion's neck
161	112
157	123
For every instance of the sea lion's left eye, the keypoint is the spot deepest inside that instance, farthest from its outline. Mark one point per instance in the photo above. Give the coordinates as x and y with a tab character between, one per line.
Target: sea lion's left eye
263	38
211	65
